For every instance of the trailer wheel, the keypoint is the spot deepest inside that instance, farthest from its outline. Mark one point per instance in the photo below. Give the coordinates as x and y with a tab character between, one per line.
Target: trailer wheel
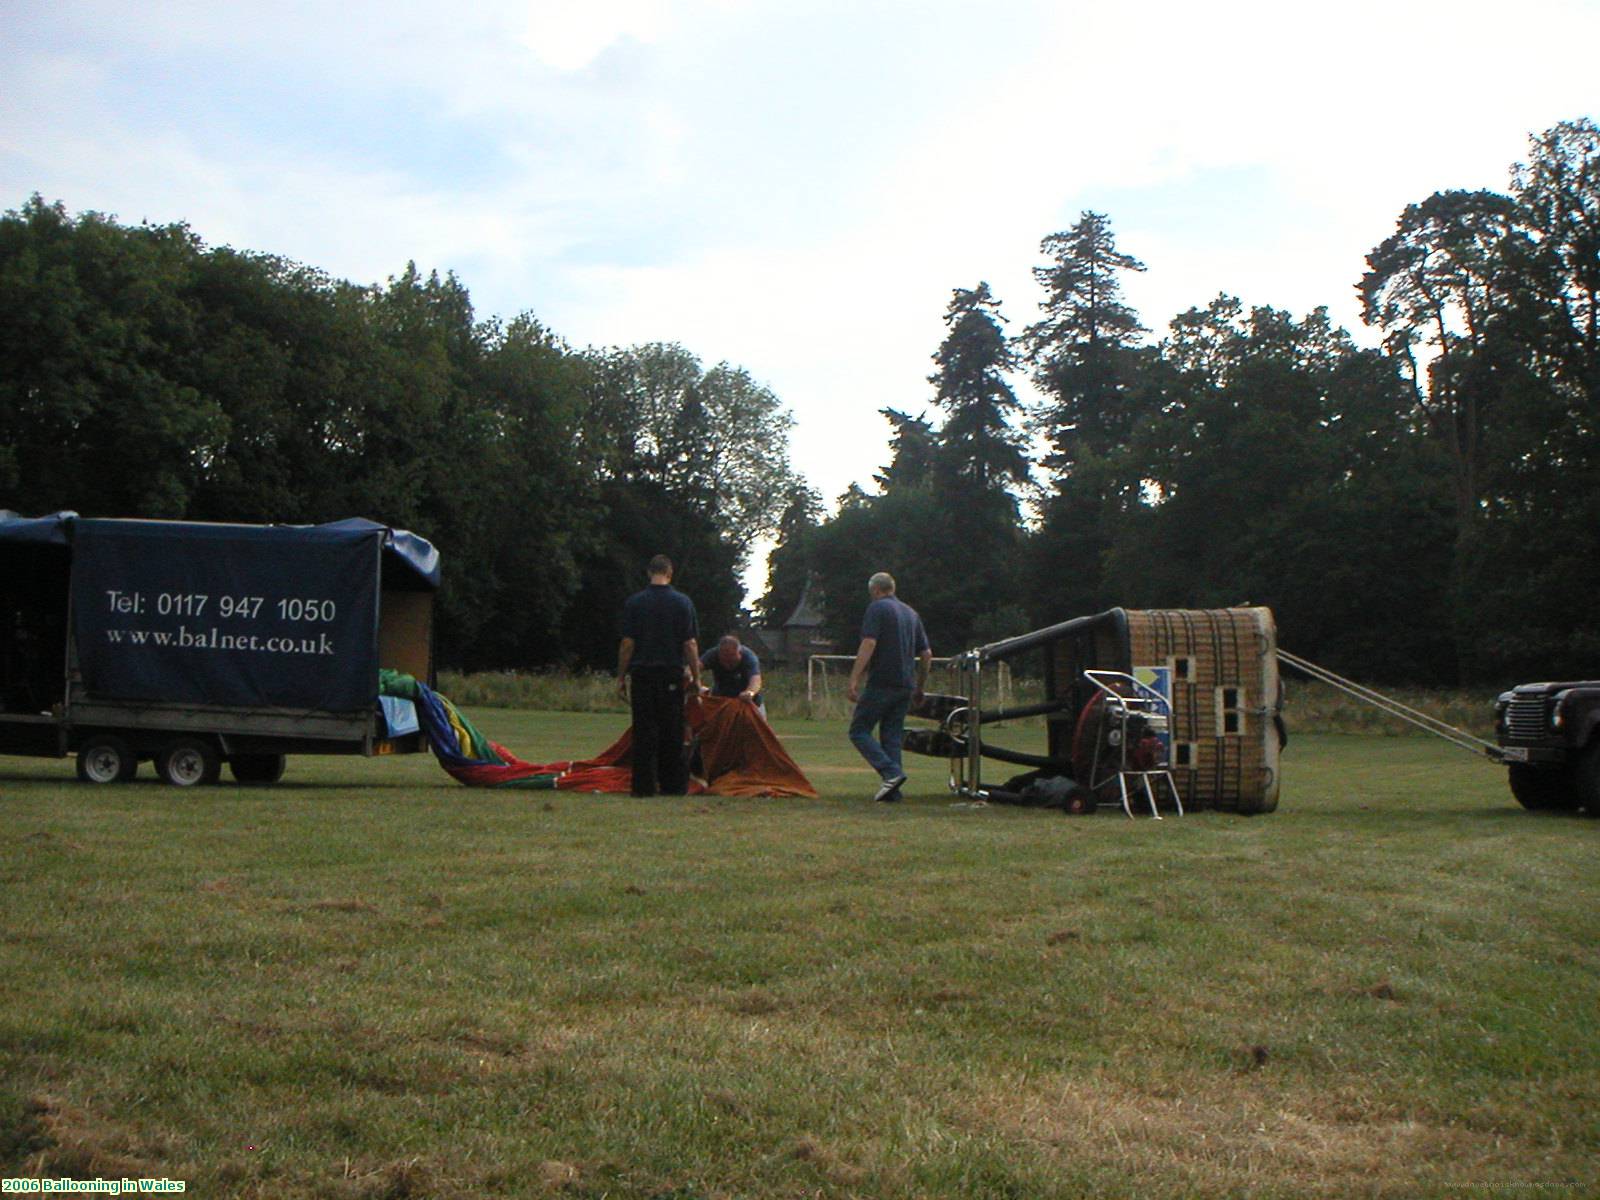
106	758
188	762
257	768
1545	789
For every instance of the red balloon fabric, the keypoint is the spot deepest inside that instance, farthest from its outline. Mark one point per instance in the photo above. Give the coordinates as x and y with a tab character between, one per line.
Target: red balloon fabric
739	753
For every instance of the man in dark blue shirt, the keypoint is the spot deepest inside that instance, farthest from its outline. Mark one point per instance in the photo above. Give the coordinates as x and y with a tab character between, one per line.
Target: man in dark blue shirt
889	674
658	658
735	671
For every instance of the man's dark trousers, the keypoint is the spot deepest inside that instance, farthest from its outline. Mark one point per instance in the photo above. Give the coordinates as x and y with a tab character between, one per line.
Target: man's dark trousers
657	695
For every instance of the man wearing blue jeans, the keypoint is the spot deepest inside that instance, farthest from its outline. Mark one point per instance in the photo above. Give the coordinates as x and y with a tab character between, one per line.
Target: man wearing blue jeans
893	664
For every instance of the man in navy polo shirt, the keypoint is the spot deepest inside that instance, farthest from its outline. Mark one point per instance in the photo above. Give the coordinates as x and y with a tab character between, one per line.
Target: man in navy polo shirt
893	664
735	671
657	659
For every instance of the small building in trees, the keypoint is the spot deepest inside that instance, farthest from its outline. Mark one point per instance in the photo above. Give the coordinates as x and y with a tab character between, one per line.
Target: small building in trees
797	639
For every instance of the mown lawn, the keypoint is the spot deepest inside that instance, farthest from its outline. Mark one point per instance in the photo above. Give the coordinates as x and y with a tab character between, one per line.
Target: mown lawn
371	982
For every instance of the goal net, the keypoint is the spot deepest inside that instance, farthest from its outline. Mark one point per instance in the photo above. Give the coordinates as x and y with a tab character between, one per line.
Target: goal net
828	678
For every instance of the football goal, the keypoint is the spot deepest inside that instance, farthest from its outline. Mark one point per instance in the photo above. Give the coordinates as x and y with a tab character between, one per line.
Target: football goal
828	677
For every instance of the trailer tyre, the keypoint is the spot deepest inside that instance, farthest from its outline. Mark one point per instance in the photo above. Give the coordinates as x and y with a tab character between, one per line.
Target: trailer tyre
189	762
1545	789
257	768
106	758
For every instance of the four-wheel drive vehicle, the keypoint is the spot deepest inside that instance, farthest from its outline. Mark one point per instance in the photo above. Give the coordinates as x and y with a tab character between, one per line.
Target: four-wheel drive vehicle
195	644
1549	737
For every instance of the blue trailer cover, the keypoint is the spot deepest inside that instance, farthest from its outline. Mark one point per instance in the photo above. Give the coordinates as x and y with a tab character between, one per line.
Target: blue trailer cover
410	550
37	531
235	615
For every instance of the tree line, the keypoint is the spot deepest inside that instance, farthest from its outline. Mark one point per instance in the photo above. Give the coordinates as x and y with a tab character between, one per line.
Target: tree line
143	373
1425	510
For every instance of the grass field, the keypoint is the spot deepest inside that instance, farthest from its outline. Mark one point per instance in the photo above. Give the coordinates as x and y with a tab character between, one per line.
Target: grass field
1309	704
371	982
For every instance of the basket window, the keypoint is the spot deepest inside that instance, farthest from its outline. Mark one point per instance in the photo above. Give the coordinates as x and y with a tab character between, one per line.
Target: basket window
1230	711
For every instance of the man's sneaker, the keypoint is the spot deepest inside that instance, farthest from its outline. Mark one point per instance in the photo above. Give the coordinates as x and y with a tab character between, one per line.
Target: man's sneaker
889	792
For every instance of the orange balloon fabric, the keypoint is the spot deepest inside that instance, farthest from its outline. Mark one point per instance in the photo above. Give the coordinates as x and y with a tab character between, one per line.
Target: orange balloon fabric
739	752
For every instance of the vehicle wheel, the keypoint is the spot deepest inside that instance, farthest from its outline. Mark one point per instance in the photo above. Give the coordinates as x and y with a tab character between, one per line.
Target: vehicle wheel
1586	778
189	762
106	758
257	768
1545	789
1080	802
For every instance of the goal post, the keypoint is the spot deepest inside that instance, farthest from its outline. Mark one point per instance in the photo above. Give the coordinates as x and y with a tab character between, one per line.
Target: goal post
828	677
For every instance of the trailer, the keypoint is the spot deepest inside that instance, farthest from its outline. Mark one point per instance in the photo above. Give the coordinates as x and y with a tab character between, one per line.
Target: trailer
192	644
1158	709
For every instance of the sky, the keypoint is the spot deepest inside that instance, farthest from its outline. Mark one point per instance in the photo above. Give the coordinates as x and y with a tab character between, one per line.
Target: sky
793	187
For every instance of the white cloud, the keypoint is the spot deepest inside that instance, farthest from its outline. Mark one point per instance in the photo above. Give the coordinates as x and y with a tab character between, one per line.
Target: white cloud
794	188
571	36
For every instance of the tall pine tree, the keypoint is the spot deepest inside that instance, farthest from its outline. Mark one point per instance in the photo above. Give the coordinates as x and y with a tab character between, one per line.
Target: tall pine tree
1088	363
978	443
1082	351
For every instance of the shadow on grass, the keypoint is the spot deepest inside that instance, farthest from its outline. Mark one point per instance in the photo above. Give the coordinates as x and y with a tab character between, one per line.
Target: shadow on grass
233	787
1430	813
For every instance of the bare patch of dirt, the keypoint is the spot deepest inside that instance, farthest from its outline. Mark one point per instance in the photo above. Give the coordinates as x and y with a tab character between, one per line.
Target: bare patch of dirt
554	1174
754	1003
398	1180
77	1142
1211	1131
729	1103
828	1163
44	837
1253	1058
1382	990
256	1031
350	905
481	1042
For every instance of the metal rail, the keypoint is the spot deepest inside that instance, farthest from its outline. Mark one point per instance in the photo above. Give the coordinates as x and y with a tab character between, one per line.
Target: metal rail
954	663
1394	708
1122	698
